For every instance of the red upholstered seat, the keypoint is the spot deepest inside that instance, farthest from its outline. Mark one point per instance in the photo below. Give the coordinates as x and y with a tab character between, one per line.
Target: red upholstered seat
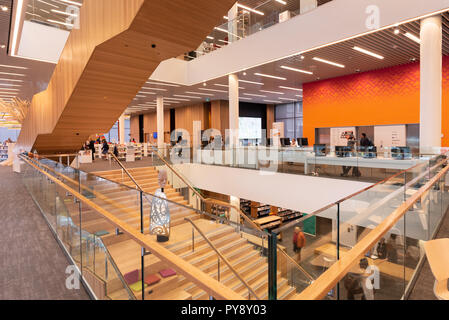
167	273
152	279
132	277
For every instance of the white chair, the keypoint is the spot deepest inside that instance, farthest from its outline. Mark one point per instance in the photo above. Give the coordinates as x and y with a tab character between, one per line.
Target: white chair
437	252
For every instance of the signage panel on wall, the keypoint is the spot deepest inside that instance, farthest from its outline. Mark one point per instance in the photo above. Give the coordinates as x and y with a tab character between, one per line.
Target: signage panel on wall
390	136
338	136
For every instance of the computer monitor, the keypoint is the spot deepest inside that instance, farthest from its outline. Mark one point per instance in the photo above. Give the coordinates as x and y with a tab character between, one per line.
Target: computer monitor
269	142
303	142
343	151
319	149
285	142
369	152
401	153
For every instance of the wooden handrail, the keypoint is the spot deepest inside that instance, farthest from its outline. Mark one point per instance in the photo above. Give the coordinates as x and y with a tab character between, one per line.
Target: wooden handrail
240	212
222	257
197	276
329	279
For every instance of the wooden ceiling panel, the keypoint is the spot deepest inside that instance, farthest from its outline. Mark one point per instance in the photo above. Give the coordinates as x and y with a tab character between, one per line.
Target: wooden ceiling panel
106	62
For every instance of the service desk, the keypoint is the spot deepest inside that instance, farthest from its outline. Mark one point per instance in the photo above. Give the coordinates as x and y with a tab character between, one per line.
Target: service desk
254	157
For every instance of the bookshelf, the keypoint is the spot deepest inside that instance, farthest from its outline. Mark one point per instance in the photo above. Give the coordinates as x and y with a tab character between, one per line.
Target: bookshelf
287	214
3	152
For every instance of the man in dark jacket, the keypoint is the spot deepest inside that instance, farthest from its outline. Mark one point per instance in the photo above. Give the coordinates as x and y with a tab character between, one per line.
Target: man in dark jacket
92	148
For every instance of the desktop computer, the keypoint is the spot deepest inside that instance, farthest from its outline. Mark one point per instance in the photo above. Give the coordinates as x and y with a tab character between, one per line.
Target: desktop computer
401	153
320	150
368	152
302	142
343	151
285	142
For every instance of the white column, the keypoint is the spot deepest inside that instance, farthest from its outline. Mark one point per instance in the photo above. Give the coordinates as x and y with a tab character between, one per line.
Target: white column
160	122
232	24
233	109
121	127
431	84
235	216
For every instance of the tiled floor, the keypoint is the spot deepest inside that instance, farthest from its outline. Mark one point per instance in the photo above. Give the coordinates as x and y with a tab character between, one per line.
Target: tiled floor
32	265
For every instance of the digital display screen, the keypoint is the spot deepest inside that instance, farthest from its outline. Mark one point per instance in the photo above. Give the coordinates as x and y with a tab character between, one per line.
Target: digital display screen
250	128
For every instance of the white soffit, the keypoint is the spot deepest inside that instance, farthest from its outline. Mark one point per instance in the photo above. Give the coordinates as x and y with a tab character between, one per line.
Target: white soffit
41	42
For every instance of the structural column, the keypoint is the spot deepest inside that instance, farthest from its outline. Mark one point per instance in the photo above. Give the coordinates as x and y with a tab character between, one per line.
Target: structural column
233	109
160	122
121	128
431	84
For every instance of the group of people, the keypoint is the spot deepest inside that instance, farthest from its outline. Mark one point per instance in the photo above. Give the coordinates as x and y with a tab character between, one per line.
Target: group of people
364	142
90	145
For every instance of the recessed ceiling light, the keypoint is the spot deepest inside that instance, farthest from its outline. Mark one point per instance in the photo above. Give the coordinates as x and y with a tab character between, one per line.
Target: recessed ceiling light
226	86
297	70
182	96
252	82
2	46
289	88
177	99
274	92
64	13
62	23
250	9
254	95
145	92
375	55
14	67
12	74
4	8
10	85
244	98
281	2
269	76
329	62
13	80
210	38
200	93
163	84
397	31
155	89
412	37
213	90
273	101
287	99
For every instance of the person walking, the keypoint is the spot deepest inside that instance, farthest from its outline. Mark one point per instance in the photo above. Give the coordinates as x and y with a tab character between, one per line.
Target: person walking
299	242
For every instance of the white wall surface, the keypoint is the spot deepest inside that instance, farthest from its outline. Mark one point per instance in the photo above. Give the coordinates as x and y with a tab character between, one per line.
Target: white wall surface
42	42
296	192
344	19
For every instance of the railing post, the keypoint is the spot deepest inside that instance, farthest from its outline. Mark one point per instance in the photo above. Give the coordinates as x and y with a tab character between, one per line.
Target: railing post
142	258
338	245
272	266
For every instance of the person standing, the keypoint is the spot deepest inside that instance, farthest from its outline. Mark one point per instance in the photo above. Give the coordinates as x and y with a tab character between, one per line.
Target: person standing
364	141
92	148
351	145
105	148
299	242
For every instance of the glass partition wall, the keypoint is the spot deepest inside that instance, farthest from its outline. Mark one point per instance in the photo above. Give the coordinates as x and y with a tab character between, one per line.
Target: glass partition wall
231	248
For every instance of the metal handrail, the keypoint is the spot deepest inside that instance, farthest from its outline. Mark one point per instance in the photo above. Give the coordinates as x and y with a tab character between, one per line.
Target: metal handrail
114	265
126	171
338	270
201	279
222	257
107	253
240	212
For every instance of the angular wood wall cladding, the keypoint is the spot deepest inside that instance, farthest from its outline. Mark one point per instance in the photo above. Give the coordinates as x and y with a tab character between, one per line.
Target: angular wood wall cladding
106	62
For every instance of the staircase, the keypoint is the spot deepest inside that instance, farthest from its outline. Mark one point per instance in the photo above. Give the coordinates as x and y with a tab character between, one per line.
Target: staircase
242	255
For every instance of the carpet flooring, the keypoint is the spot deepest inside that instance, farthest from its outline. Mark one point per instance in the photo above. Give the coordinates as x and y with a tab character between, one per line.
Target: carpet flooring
32	265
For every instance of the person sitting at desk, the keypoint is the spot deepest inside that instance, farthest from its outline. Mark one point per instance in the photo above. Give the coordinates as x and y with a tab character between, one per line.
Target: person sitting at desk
346	169
293	143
